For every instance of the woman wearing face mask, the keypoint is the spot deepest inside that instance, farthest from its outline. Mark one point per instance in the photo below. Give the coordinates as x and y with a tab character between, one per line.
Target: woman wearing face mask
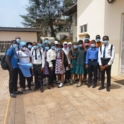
59	68
46	66
72	56
80	61
24	56
51	59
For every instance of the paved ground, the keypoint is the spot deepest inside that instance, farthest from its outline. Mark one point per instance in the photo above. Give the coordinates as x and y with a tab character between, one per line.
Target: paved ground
68	105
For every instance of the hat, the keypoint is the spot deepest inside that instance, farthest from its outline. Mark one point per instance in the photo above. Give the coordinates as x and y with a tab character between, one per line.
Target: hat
70	43
22	44
65	43
55	42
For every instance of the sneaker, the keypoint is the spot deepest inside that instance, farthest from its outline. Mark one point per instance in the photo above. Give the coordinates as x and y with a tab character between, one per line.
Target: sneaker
79	84
58	82
71	82
29	90
13	95
107	89
52	85
60	85
94	86
49	86
24	91
101	88
41	89
89	85
74	81
18	92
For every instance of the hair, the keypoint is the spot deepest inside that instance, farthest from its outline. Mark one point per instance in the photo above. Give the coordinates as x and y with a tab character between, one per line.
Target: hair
40	41
87	36
98	36
52	43
17	37
80	41
14	42
93	41
106	37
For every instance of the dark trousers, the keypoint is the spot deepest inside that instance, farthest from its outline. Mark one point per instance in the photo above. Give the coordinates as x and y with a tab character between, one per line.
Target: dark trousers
38	75
67	75
99	72
85	72
23	78
108	72
52	76
13	77
92	71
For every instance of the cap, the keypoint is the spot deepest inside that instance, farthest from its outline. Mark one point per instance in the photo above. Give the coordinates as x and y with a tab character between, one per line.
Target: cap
55	42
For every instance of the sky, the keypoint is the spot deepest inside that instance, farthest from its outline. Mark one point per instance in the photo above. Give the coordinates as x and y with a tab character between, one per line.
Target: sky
10	11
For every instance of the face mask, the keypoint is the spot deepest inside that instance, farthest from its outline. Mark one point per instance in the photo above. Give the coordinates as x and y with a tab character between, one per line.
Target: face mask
46	48
53	47
35	47
105	41
15	45
58	49
24	48
18	40
86	44
39	45
75	46
97	40
87	38
92	45
80	45
46	41
29	47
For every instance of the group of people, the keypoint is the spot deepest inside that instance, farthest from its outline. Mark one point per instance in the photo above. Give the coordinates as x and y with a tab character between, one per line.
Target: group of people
75	62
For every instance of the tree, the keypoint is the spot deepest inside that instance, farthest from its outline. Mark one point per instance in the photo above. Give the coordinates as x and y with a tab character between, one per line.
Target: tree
42	14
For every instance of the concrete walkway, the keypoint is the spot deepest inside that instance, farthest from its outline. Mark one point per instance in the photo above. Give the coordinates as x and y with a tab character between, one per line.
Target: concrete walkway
67	105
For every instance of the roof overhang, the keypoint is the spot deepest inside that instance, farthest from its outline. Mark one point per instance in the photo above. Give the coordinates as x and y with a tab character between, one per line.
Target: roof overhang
71	10
18	29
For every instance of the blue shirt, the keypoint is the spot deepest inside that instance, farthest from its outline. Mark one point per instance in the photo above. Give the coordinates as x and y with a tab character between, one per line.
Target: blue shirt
92	53
14	59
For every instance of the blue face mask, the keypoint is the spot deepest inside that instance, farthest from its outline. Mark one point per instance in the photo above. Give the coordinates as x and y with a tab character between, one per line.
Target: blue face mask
92	45
75	46
80	45
53	47
39	45
35	47
29	47
86	44
46	41
87	38
46	48
15	46
105	42
97	40
18	40
58	49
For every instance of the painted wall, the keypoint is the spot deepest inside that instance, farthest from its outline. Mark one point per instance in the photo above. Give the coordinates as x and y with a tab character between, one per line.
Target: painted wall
91	12
113	28
25	36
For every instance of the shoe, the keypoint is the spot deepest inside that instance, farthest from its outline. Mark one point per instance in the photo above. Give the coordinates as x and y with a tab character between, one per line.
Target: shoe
32	84
24	91
84	80
52	85
58	82
74	81
89	85
41	89
108	89
71	82
60	85
36	88
94	86
49	86
29	90
79	84
18	92
101	88
13	95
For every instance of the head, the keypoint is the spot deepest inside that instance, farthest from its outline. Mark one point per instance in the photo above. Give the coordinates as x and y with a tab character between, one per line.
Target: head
93	43
46	40
69	45
98	38
23	46
47	47
65	45
14	44
87	37
18	39
105	40
53	46
80	42
74	45
35	45
59	46
29	45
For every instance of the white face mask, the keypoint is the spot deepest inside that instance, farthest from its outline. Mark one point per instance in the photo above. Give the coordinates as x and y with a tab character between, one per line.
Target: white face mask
24	48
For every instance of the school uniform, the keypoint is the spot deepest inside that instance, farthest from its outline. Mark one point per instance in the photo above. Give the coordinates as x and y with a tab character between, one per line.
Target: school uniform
92	61
106	57
38	61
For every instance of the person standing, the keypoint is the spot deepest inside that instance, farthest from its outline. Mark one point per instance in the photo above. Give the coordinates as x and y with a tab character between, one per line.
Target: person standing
38	66
91	63
106	57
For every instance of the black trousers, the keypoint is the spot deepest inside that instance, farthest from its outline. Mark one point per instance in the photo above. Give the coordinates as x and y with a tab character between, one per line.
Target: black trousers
38	75
13	78
108	72
23	78
92	71
99	72
52	76
67	75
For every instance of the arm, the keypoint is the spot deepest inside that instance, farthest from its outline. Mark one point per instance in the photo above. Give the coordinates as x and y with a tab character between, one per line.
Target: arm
87	57
30	55
43	58
99	58
49	59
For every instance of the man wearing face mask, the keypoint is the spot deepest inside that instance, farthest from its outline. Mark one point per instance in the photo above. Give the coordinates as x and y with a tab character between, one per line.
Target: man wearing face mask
91	63
18	40
87	38
106	57
12	61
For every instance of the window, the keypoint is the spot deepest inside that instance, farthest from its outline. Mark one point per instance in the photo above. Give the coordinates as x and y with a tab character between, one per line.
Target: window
83	28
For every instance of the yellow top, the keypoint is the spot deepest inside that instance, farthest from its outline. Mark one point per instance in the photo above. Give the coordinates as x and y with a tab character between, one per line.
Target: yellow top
99	44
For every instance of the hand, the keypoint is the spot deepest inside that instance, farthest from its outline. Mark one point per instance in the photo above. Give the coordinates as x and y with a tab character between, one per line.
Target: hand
86	66
61	67
102	68
71	66
42	69
106	66
51	68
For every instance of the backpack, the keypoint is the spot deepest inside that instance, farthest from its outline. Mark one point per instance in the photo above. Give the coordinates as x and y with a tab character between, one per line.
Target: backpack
110	49
65	59
4	64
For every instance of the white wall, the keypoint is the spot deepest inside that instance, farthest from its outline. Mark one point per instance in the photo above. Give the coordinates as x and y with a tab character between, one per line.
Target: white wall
25	36
91	12
61	33
113	28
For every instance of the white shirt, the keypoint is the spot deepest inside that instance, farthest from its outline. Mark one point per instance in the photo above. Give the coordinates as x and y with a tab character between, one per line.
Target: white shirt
108	54
66	51
40	56
24	56
51	55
